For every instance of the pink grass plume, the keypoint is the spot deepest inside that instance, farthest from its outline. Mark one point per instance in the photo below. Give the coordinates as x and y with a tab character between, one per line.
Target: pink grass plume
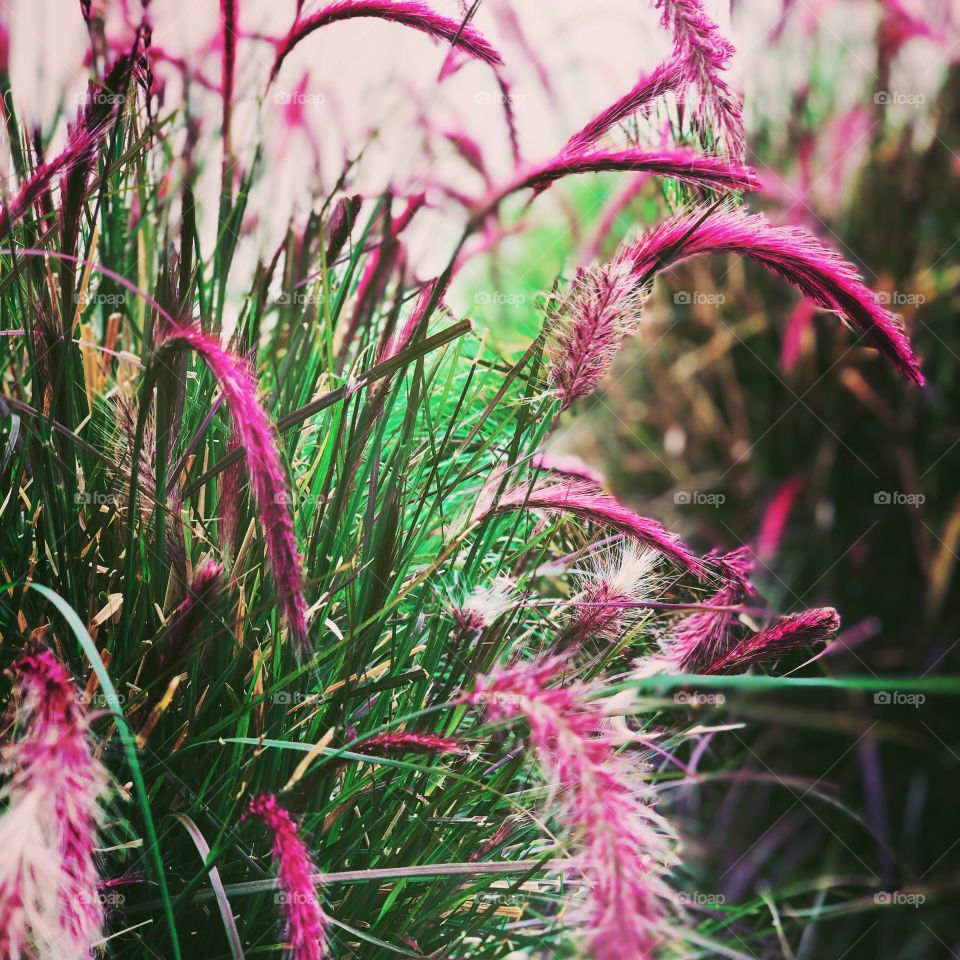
256	435
796	632
306	922
705	636
705	55
50	903
624	846
586	500
819	272
417	16
776	516
603	307
400	741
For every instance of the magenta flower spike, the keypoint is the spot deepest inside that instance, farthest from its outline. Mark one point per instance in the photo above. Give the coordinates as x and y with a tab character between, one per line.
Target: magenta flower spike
257	437
785	636
665	78
417	16
624	844
50	903
819	272
705	55
306	922
603	307
404	742
682	164
705	636
586	500
207	583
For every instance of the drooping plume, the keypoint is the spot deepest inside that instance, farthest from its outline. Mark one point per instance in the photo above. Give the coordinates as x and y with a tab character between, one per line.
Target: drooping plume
819	272
404	742
705	55
586	500
792	633
585	332
50	903
682	164
412	14
257	437
625	846
306	921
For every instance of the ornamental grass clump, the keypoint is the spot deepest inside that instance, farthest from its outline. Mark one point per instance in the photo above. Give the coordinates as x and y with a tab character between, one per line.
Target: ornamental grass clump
267	484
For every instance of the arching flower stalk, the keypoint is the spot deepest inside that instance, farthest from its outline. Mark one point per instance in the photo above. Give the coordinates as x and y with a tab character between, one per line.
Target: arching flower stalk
306	921
408	13
50	902
581	498
819	272
624	847
257	437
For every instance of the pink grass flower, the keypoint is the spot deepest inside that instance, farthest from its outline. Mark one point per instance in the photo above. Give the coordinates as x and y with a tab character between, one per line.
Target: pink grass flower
404	742
624	577
682	164
664	79
50	903
705	55
256	435
193	609
819	272
705	636
418	16
603	307
792	633
583	499
624	845
306	921
485	604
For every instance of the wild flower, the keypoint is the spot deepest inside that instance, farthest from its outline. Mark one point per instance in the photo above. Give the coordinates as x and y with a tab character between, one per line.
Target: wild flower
485	604
664	79
257	437
306	921
586	500
418	16
624	575
401	741
584	333
795	632
705	636
624	845
193	609
705	55
819	272
50	903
